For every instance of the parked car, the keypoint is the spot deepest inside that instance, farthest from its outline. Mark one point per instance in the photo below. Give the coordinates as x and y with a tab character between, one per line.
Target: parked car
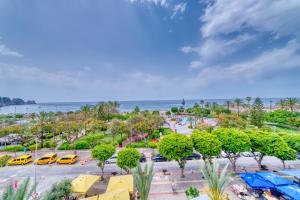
298	156
112	159
158	158
68	159
47	159
143	158
21	160
194	156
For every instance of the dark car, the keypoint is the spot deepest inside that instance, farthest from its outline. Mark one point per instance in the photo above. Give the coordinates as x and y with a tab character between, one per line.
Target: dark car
298	156
143	158
194	156
158	158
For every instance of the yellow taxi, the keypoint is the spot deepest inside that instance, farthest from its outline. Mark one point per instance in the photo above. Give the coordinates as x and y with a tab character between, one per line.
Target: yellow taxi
21	160
68	159
47	159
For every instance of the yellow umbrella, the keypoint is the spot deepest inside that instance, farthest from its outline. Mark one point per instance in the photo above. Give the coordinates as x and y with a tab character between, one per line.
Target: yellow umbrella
119	194
83	183
120	182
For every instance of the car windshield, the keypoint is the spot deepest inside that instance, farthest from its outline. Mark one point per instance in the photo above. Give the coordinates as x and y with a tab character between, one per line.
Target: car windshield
44	158
65	158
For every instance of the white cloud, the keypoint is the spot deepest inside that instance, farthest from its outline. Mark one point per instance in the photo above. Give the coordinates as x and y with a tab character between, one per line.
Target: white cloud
178	8
196	64
5	51
21	73
272	62
214	47
222	16
163	3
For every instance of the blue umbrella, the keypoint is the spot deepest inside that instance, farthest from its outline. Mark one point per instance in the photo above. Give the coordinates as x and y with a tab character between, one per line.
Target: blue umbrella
292	191
256	182
274	179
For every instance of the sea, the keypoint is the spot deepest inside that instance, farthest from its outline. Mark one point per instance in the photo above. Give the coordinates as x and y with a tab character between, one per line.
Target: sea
125	106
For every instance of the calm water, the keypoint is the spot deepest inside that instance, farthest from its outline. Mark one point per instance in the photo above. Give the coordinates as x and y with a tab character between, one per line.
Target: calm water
124	105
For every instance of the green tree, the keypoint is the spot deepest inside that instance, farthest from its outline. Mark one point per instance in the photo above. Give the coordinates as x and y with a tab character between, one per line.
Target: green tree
102	153
136	110
284	152
118	127
85	111
238	103
293	140
265	143
61	190
228	103
217	182
143	179
233	142
176	147
202	103
174	110
257	113
291	103
128	158
206	144
231	121
23	192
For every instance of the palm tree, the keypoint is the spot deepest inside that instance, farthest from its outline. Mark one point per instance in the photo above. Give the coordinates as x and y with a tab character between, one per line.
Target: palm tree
228	103
143	179
271	105
248	99
202	103
43	117
281	103
238	103
86	111
217	182
22	192
291	103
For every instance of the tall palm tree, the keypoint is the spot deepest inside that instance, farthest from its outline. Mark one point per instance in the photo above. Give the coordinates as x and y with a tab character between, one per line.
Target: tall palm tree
86	111
291	103
143	179
248	99
202	103
281	103
228	103
271	105
21	192
238	103
217	182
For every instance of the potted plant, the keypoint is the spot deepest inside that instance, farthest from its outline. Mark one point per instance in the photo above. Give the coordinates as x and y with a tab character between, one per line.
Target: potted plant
192	192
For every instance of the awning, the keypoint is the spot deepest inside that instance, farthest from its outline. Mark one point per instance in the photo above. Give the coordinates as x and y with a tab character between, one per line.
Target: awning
256	182
119	194
292	191
293	172
83	183
120	182
274	179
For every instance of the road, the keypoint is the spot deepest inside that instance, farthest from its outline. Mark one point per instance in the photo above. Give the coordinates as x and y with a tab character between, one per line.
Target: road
49	174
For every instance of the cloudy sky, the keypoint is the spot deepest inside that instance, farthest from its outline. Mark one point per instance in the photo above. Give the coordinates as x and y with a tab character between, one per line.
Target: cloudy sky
89	50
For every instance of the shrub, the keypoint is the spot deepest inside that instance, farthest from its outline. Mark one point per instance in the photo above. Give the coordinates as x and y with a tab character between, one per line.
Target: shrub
128	158
140	144
66	146
152	145
81	144
33	147
14	148
61	190
50	144
4	159
192	192
155	134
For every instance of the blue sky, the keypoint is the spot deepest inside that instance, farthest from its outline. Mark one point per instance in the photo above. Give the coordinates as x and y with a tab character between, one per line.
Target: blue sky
89	50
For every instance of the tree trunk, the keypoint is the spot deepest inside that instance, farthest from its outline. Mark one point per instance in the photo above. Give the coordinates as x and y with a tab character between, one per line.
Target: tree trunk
102	172
233	163
181	165
42	140
283	163
259	161
182	172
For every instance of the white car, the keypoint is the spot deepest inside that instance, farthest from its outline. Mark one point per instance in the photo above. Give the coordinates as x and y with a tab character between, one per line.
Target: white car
112	159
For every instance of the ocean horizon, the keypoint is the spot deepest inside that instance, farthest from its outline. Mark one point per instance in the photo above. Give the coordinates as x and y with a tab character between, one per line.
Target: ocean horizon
125	106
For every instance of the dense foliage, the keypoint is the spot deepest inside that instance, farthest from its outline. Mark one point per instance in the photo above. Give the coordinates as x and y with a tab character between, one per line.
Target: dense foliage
128	158
102	153
176	147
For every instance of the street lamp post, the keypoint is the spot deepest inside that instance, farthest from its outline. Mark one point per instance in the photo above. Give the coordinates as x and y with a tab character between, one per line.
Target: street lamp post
35	165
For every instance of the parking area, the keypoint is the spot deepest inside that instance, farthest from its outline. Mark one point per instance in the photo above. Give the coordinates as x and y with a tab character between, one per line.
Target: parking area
161	185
